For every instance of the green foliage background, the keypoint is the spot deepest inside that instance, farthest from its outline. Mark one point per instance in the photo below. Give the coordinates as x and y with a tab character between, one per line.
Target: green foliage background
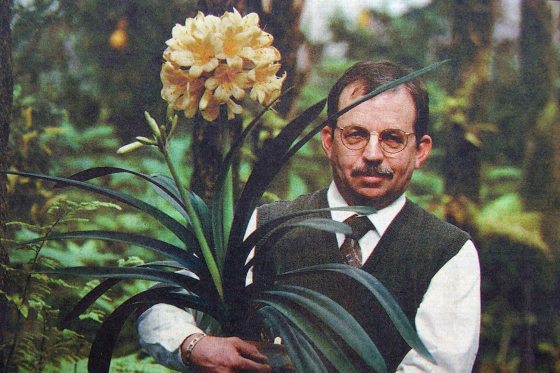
77	99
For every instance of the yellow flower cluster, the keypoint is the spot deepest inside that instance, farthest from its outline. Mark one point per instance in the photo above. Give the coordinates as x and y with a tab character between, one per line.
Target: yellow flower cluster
213	61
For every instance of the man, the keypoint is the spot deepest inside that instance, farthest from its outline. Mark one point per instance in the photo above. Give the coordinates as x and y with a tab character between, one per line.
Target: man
431	267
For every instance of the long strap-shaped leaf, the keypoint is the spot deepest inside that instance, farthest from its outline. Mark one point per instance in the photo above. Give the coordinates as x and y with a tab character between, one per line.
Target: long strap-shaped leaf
88	300
200	207
170	194
179	230
272	230
387	301
96	172
188	260
320	224
166	189
321	336
304	357
265	229
263	173
222	197
102	347
94	294
174	278
266	168
337	318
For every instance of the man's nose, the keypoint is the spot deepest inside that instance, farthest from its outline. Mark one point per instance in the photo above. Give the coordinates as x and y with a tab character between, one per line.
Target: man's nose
373	151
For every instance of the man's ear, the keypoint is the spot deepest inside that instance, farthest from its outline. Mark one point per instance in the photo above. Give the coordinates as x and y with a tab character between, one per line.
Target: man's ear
423	150
327	140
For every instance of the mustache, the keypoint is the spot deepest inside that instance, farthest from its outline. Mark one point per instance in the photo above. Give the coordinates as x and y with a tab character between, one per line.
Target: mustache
373	170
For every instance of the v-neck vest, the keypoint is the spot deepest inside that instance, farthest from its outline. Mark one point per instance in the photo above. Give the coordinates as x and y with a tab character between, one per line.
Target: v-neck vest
411	251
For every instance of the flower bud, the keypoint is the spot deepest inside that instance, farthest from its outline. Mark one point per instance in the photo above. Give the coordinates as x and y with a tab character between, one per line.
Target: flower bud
153	125
145	140
129	147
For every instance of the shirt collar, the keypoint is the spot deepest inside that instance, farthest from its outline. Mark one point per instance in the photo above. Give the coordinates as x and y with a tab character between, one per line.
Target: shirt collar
381	219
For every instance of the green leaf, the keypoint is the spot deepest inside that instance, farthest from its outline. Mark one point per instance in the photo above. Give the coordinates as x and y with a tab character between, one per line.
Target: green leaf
303	355
337	318
275	227
87	300
170	194
102	347
203	213
94	294
322	224
174	278
163	263
265	229
179	230
321	337
263	172
157	183
222	198
188	260
381	293
266	167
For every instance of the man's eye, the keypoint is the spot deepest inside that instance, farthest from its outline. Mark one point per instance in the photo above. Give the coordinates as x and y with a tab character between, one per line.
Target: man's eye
392	137
357	132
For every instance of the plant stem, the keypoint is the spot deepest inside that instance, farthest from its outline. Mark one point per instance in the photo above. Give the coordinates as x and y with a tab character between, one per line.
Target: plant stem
25	294
196	224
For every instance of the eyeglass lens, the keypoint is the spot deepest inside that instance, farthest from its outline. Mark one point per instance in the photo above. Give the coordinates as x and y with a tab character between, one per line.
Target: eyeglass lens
392	140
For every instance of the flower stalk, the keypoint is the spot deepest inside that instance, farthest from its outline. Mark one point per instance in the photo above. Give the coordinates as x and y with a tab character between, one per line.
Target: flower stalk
193	216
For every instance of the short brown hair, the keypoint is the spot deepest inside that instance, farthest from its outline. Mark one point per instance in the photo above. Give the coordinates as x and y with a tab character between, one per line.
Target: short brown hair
373	74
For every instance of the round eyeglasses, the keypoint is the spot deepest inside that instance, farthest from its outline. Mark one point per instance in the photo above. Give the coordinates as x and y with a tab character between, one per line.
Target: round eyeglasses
391	140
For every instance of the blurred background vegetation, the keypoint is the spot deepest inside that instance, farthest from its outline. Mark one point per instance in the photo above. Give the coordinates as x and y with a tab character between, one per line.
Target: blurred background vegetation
82	72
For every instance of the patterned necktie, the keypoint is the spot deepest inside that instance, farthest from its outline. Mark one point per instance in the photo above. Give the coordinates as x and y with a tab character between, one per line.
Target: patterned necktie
350	248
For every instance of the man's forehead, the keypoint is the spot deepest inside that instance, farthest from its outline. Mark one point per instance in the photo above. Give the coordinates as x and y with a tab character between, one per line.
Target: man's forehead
357	89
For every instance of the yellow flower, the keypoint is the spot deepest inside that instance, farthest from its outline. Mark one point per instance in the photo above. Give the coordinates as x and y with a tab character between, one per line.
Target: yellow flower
267	86
194	45
181	90
228	81
211	61
265	56
241	37
209	106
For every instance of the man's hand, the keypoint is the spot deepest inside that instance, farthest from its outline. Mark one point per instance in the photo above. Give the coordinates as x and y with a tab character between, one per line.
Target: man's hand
226	355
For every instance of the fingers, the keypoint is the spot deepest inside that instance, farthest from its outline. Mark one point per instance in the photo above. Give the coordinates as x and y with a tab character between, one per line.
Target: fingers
228	355
249	350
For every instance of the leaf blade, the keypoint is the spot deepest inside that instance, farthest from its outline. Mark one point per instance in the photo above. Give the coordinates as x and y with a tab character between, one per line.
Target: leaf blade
382	294
337	318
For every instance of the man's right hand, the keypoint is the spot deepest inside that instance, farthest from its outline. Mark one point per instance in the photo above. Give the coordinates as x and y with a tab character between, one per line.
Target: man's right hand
226	355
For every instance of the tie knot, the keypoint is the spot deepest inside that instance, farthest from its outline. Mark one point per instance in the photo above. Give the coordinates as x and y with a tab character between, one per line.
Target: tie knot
360	225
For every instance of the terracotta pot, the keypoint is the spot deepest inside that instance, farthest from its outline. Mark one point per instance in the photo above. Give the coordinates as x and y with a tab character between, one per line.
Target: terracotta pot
278	357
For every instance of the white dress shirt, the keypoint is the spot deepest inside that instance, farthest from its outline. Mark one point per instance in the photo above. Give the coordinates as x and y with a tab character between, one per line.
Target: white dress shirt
447	320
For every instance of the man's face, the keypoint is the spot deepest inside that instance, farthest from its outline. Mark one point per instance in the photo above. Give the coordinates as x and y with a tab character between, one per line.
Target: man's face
370	176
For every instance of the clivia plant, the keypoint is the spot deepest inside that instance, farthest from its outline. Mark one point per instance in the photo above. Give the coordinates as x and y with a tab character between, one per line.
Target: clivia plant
211	64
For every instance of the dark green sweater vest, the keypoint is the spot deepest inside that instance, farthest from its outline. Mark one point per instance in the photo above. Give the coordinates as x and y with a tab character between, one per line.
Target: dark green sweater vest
412	250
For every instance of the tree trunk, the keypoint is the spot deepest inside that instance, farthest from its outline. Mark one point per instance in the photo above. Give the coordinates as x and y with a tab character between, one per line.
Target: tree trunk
282	20
542	119
542	157
537	79
472	29
6	91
